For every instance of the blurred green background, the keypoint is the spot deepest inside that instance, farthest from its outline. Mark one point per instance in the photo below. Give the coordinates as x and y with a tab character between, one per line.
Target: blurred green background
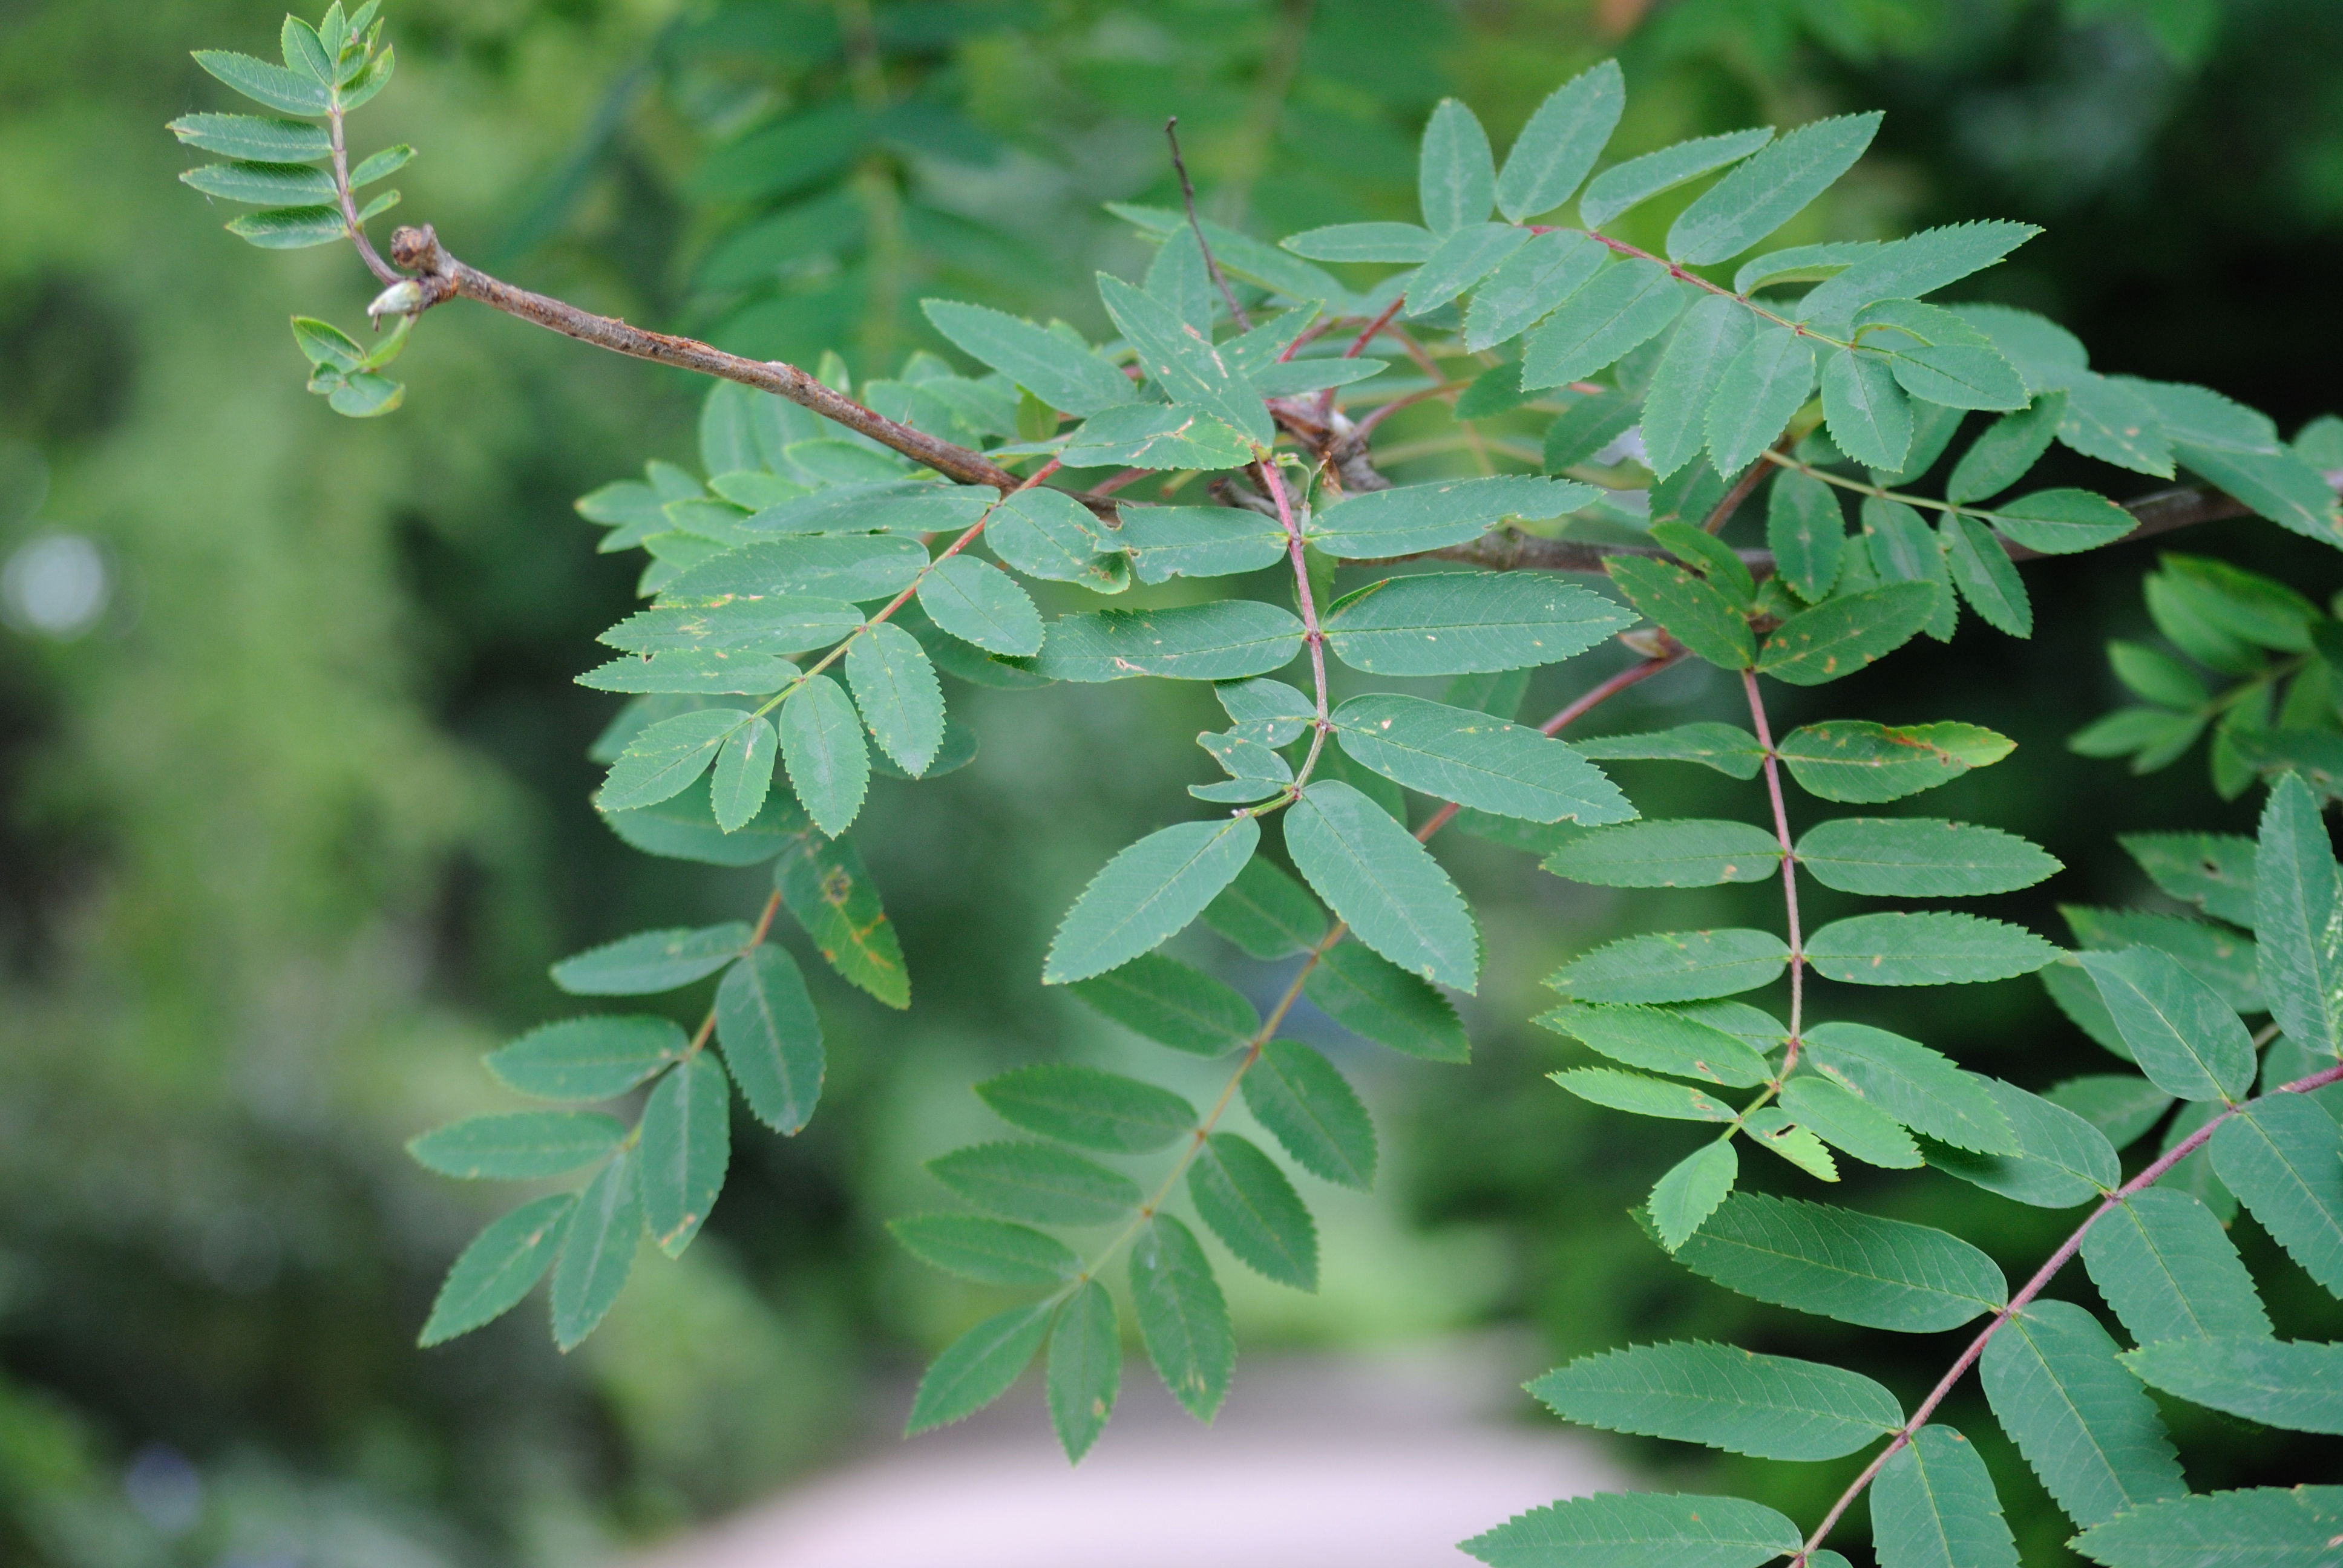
291	830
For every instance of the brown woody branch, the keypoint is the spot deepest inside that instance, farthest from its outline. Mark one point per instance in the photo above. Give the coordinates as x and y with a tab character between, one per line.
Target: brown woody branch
443	278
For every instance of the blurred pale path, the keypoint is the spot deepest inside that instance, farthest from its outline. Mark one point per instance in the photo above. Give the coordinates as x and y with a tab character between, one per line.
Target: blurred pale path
1366	1462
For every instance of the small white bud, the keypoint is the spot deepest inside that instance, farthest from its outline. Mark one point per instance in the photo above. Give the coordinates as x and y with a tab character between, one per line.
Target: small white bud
401	298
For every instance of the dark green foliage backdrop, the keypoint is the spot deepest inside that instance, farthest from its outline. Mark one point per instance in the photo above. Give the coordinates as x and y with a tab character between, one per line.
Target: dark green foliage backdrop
293	833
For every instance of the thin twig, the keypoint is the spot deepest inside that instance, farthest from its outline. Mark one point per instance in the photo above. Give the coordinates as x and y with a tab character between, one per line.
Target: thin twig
383	271
1722	513
1789	865
446	278
1196	226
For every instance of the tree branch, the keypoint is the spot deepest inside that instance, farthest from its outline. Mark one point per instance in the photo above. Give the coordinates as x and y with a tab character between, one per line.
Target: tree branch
444	277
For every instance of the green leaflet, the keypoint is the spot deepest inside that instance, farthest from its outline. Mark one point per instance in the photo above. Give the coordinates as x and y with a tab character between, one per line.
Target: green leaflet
1639	1530
2283	1156
500	1267
1218	641
1920	857
519	1146
1917	264
1930	948
1640	1096
1624	185
743	776
1800	264
1061	374
1250	1206
1456	177
772	626
1770	1128
1374	998
896	687
1843	635
2062	522
829	892
1868	413
1756	394
1986	577
1314	1112
2214	871
1727	748
1839	1263
771	1037
2170	1271
1458	262
1660	1041
1185	367
2216	955
821	746
2009	446
2280	1382
990	1251
1849	1123
1265	913
977	1368
597	1251
1689	608
892	505
1165	542
2122	1105
685	1141
1902	547
1916	1086
1770	189
1374	874
1769	1407
593	1058
1146	436
651	961
1174	1005
1362	242
1934	1506
1183	1320
2083	1422
1048	534
2182	1034
1427	516
1673	965
850	567
1860	762
1035	1181
252	139
980	603
1540	274
1085	1368
1476	759
684	826
1561	142
1683	1200
1690	853
1146	893
1675	407
292	92
1088	1108
2061	1159
1265	710
712	671
2267	1526
1626	304
1456	623
2298	924
666	757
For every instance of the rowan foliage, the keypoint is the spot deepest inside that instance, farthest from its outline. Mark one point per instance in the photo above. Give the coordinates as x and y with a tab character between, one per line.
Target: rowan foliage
1198	497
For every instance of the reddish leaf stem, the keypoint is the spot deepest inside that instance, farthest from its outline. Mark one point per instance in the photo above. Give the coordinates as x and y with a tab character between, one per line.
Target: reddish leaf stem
1789	866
